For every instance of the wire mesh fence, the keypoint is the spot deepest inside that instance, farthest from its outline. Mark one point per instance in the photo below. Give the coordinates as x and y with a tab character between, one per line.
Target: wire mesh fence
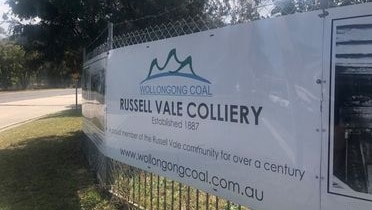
98	45
181	27
152	33
217	15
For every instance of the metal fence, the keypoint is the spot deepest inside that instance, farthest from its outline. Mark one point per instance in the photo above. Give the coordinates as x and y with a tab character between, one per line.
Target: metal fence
152	33
116	35
136	188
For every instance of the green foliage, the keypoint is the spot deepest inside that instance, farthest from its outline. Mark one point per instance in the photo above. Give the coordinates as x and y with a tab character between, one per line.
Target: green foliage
12	59
335	3
286	7
17	66
232	12
67	26
91	198
149	191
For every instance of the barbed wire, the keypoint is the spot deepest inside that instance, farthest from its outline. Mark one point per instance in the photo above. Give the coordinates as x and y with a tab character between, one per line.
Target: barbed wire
180	27
172	29
98	36
103	46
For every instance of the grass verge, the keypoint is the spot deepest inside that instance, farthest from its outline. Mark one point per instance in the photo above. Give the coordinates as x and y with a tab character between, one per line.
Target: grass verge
42	166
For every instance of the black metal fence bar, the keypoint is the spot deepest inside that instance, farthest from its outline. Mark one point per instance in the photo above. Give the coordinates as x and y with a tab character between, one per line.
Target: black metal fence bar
158	192
197	199
151	194
172	192
165	193
179	196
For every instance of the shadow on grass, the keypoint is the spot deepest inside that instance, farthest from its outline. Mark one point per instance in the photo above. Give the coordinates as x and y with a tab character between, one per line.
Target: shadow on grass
44	173
66	113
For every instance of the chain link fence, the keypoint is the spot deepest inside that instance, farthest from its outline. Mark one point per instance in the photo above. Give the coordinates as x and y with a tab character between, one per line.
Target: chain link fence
244	12
164	31
152	33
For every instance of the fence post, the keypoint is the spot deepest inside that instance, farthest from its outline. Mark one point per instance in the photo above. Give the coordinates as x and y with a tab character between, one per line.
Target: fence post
110	37
324	4
84	54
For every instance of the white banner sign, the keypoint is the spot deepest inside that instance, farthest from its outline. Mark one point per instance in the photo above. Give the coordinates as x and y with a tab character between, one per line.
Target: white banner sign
264	114
233	111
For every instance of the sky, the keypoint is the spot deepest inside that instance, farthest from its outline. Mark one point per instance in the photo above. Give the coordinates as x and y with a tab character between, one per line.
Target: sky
3	8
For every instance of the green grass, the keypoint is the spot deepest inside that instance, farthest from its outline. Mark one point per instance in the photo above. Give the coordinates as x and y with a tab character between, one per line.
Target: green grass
42	167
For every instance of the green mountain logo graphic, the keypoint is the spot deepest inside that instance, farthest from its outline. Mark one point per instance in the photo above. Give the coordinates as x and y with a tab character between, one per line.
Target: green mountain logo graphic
184	70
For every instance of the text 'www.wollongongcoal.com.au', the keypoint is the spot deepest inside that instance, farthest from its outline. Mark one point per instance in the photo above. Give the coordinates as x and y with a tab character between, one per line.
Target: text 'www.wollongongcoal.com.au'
204	176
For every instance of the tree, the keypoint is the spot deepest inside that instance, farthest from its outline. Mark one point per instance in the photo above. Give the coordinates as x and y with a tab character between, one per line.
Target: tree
66	26
286	7
232	11
31	68
17	67
11	64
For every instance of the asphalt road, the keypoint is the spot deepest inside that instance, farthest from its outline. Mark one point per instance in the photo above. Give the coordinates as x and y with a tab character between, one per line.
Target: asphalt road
33	94
19	107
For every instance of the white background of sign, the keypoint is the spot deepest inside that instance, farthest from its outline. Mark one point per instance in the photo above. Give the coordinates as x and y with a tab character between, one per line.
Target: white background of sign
270	63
